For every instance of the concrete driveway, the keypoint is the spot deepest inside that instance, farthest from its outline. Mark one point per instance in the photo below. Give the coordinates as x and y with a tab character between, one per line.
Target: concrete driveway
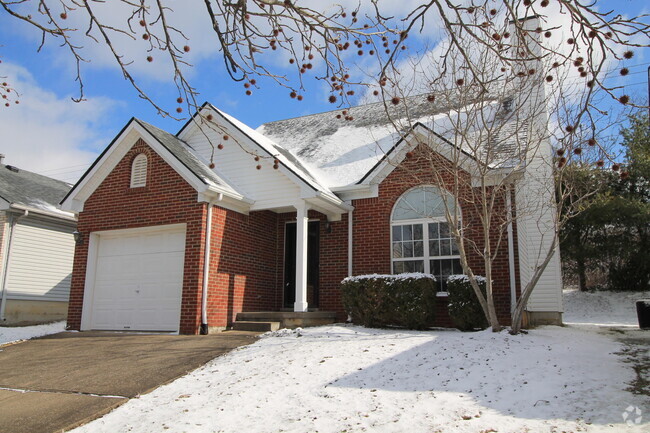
61	381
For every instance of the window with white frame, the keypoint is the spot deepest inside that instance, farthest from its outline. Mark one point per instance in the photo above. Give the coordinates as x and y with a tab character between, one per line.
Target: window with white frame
139	171
420	236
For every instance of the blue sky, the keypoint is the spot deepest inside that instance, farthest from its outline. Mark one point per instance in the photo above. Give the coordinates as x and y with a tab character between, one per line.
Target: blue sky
49	134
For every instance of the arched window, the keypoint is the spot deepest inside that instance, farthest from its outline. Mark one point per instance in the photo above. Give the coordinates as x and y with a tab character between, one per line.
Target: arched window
420	236
139	171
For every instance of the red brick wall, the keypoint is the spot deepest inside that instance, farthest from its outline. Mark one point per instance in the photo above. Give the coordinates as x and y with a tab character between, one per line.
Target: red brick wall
166	199
243	274
247	251
333	260
371	225
371	233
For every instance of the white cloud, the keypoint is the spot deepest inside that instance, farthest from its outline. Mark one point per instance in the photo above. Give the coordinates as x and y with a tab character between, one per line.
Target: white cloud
49	134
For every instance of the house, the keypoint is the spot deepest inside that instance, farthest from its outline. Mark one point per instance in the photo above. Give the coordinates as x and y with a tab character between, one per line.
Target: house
184	232
36	246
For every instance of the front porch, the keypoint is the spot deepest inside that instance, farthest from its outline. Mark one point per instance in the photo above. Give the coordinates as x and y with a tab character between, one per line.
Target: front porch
273	320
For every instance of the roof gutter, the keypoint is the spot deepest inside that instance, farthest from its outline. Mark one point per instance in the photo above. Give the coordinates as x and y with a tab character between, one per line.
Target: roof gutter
13	220
334	200
350	188
48	213
223	192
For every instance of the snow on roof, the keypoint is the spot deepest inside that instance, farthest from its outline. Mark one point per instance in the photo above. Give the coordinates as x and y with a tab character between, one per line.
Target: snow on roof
24	188
183	152
308	174
342	152
484	130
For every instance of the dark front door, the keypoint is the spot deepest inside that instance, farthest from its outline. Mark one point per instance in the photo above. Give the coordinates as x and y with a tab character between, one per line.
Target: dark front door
313	241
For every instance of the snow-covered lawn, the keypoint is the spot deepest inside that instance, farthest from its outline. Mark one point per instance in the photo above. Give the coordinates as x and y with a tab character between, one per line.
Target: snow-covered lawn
601	308
11	334
352	379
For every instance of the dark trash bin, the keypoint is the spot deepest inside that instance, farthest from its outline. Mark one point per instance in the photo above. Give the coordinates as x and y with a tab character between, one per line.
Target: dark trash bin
643	313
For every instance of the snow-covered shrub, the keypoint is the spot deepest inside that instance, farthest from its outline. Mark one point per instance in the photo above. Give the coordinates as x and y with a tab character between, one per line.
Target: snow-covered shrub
404	300
464	308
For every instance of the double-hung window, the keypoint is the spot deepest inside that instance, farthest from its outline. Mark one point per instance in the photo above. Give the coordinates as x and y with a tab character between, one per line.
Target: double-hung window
420	236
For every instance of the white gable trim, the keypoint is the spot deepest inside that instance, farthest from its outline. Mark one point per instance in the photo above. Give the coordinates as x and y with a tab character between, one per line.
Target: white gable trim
367	188
324	199
114	153
308	187
243	139
417	135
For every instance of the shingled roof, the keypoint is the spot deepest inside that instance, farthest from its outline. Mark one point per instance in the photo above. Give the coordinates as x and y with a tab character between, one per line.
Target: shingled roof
182	151
24	188
343	152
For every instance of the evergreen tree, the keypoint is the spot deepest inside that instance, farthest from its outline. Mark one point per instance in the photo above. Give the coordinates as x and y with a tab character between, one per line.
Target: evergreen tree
611	234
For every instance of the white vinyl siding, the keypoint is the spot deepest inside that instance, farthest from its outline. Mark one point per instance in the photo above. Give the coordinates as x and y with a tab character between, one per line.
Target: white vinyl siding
267	186
40	263
535	205
139	171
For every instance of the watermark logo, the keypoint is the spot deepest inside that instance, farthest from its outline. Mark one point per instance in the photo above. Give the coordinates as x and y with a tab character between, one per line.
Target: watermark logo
632	415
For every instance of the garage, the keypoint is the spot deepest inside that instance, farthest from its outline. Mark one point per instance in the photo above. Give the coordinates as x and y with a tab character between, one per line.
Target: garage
137	279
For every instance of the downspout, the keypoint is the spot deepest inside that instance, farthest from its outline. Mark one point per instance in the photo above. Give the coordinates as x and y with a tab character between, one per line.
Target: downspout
5	266
206	268
350	242
511	254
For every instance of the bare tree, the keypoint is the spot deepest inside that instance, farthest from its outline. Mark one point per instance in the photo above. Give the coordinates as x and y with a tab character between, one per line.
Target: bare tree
8	93
320	42
502	148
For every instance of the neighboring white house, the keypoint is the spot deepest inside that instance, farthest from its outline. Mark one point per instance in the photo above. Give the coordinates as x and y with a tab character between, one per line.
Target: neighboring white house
36	247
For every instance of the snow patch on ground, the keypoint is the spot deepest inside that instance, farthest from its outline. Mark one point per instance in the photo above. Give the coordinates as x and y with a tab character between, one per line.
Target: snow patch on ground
12	334
353	379
283	333
601	308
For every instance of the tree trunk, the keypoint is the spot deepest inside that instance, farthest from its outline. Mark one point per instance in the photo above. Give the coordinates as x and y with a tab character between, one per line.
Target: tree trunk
492	313
582	275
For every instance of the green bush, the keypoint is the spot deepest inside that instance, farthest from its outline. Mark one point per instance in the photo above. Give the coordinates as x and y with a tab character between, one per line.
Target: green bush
464	308
630	272
403	300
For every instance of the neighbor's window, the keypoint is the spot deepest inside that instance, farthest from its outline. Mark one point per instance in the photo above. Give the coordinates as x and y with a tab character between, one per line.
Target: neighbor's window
420	235
139	171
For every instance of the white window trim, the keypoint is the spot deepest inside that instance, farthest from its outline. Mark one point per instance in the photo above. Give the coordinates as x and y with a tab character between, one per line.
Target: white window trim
426	258
139	179
425	240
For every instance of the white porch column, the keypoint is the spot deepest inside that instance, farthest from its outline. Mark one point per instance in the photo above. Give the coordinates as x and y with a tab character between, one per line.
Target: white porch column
302	222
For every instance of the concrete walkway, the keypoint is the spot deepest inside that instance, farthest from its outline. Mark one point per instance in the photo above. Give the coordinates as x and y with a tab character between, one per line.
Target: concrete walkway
61	381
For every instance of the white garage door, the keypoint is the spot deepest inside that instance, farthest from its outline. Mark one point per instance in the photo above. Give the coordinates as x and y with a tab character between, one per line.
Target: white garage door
138	280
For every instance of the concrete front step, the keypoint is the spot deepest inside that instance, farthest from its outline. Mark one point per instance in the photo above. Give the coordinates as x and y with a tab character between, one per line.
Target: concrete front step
243	325
289	319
